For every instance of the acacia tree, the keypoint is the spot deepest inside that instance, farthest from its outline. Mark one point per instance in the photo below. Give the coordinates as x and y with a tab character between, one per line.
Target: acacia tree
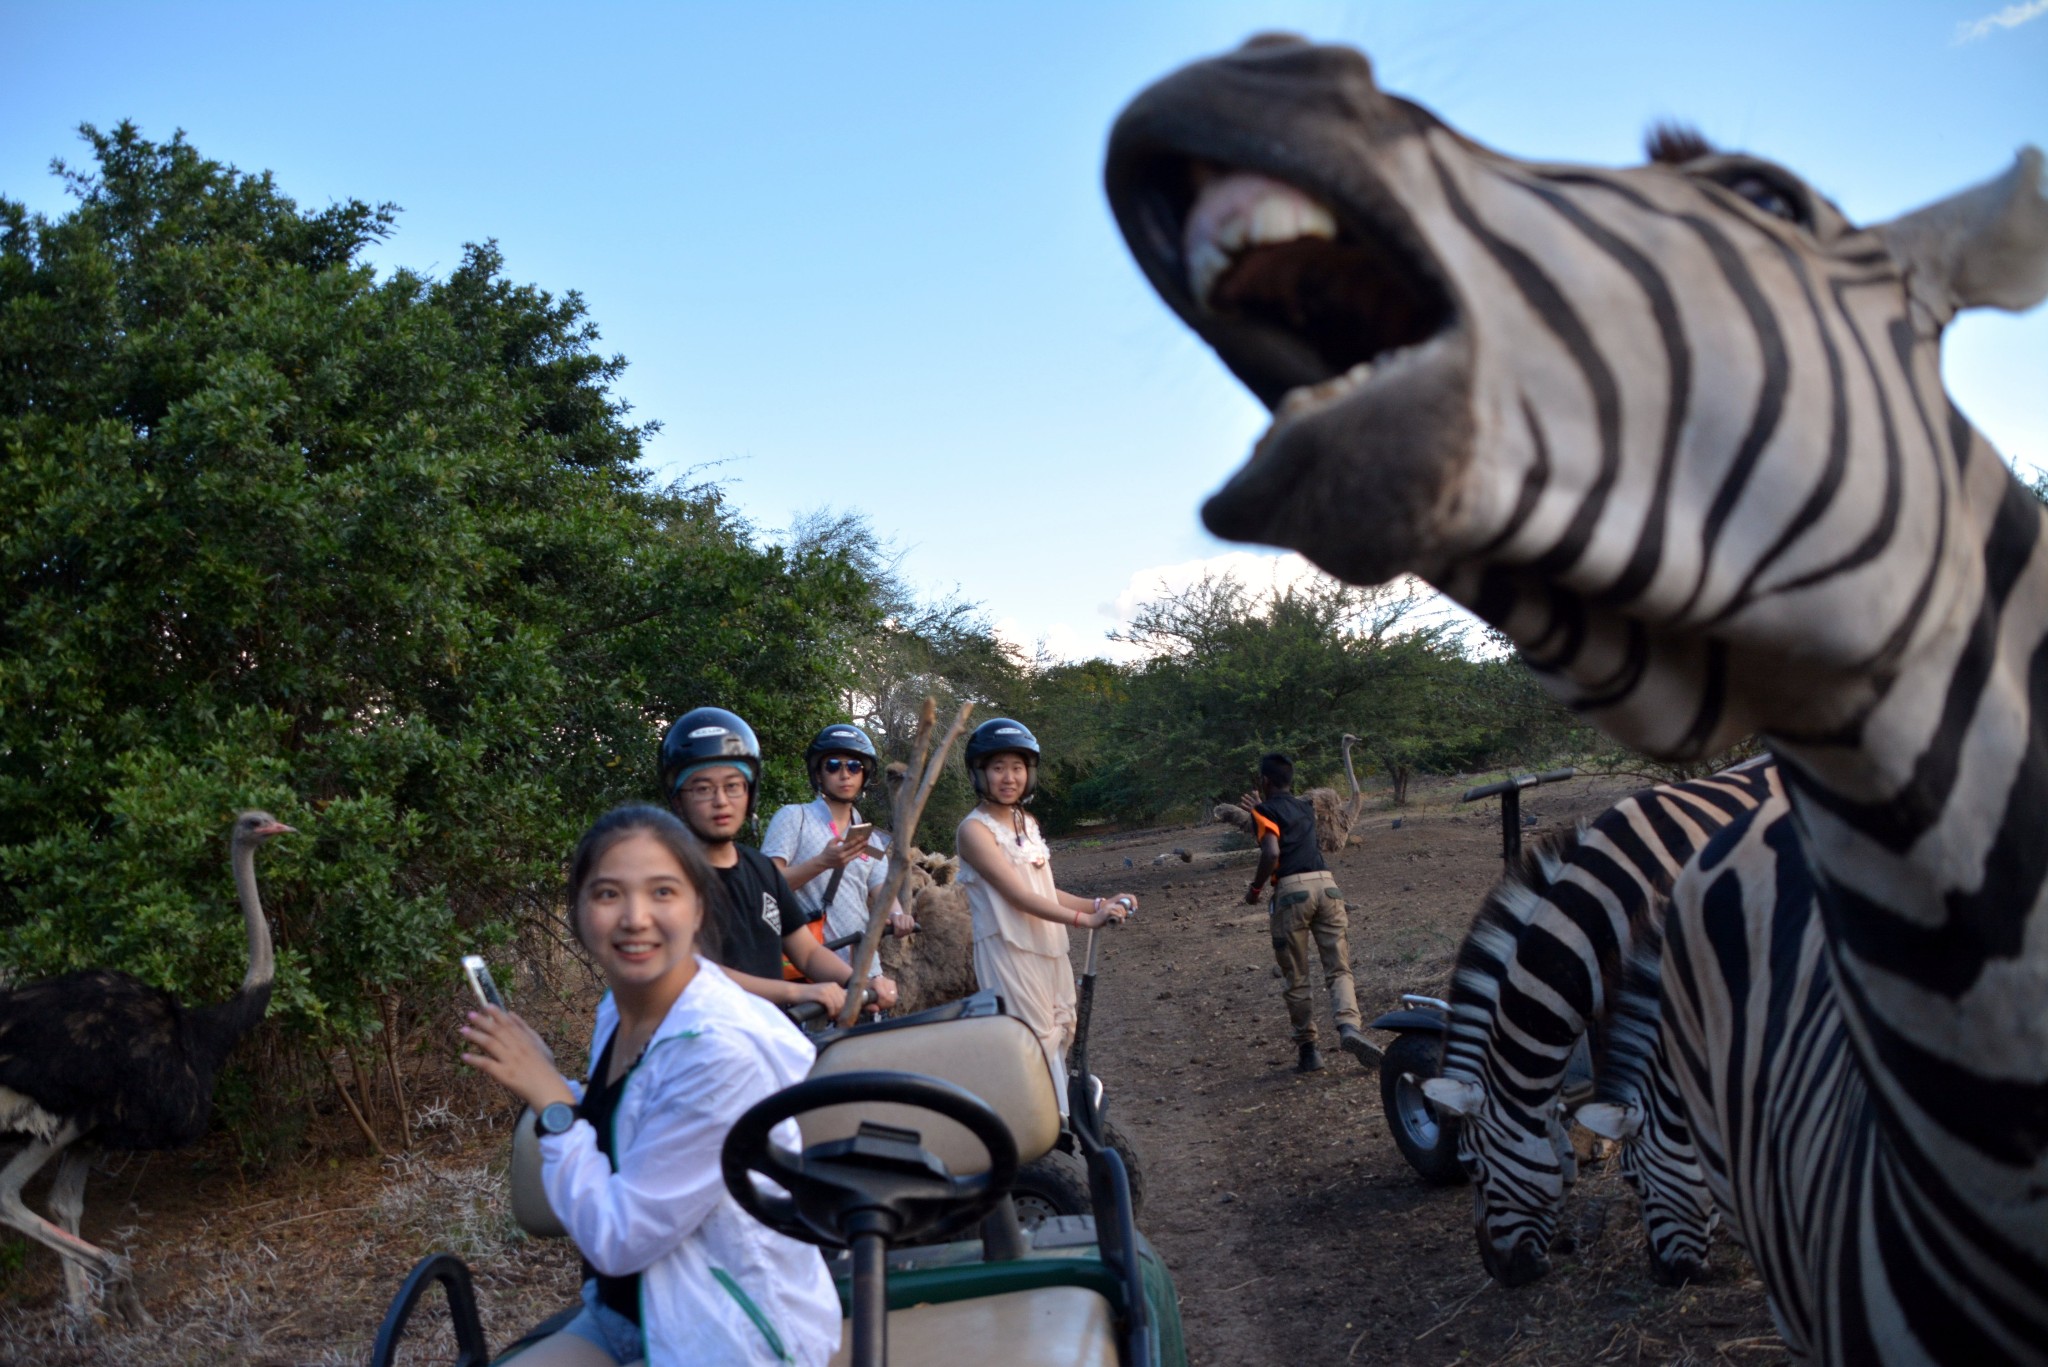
376	553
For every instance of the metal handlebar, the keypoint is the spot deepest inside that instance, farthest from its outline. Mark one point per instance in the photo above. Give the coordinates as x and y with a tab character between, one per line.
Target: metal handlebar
804	1012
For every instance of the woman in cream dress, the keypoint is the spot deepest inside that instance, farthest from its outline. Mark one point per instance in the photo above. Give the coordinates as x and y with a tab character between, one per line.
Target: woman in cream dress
1020	917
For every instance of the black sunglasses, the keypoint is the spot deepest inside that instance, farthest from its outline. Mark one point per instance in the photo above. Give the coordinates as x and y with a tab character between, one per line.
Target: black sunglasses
834	763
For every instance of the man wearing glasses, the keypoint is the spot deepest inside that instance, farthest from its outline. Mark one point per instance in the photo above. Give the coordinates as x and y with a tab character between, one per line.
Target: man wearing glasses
835	877
711	774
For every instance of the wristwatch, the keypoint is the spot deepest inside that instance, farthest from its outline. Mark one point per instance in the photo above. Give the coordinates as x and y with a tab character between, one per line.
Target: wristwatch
557	1117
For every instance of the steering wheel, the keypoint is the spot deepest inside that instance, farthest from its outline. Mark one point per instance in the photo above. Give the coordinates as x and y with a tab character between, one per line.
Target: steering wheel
878	1181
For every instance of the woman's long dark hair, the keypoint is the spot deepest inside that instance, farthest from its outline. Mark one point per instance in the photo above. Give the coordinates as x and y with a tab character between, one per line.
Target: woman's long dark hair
639	818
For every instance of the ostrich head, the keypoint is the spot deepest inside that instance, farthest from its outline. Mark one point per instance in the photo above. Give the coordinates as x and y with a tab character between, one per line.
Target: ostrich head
253	828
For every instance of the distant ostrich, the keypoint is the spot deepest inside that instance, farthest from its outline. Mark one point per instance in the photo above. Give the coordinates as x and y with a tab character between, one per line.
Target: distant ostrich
1334	820
103	1053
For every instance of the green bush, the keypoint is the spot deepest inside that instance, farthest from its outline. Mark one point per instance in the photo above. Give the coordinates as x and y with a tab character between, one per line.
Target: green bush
374	553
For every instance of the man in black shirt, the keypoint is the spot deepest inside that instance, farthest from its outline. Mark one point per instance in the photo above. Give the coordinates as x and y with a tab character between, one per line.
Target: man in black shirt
1306	904
710	769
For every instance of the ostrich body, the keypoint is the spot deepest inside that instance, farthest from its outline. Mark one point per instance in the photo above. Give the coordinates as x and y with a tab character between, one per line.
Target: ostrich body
104	1054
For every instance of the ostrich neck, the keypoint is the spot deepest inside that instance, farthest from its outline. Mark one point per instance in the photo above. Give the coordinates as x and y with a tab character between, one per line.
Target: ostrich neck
262	963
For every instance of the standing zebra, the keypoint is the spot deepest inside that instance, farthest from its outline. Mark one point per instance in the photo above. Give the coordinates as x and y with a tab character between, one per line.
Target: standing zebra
1538	967
1679	431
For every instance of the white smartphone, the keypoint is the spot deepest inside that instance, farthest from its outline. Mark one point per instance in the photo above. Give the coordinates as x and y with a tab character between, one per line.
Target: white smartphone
856	837
479	974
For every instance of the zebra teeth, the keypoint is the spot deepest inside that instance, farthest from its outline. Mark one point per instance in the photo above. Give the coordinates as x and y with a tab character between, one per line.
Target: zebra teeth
1305	398
1238	211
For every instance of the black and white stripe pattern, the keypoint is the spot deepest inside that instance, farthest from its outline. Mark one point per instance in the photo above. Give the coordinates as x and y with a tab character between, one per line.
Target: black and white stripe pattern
1637	1103
1680	432
1538	968
1869	1256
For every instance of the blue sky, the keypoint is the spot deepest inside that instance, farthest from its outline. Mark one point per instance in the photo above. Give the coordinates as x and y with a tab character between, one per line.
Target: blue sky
858	254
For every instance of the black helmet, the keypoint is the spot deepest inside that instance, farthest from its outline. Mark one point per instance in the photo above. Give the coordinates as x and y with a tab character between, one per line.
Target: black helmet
841	738
706	735
1001	736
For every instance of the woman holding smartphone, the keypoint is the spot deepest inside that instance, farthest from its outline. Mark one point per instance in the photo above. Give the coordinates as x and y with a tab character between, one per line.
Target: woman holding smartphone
1020	917
674	1271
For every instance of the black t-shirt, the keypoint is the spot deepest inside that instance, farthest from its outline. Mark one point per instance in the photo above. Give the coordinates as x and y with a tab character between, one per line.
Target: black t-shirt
600	1102
760	909
1294	820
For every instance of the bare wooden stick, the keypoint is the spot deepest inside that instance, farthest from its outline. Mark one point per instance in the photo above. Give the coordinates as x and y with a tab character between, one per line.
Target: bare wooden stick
350	1102
389	1012
910	800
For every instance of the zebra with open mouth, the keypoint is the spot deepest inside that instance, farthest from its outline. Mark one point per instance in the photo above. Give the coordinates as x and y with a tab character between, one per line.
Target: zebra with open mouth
1679	430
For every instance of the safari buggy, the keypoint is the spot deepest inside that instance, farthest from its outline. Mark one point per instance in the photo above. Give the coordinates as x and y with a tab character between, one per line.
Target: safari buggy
913	1132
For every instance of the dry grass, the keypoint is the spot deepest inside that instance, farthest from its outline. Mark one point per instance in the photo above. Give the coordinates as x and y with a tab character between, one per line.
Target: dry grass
297	1266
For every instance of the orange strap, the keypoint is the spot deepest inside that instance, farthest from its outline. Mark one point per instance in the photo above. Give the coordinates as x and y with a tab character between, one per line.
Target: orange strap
789	973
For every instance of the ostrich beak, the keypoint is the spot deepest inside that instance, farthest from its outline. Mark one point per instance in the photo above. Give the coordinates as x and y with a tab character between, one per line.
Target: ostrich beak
275	828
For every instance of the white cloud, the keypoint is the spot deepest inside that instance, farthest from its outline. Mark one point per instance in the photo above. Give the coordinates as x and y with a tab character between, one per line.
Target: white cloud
1059	642
1258	571
2012	16
1248	567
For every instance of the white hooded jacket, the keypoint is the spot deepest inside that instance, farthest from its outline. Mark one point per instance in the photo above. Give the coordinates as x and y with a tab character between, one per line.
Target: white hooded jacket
715	1285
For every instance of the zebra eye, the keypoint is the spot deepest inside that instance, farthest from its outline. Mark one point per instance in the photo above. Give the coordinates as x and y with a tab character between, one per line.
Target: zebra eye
1767	189
1765	196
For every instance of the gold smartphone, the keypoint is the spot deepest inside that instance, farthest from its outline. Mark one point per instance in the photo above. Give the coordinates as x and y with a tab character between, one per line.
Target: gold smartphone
479	974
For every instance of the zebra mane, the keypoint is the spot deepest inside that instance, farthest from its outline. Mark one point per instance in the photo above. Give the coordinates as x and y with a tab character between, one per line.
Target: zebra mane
1670	143
1509	905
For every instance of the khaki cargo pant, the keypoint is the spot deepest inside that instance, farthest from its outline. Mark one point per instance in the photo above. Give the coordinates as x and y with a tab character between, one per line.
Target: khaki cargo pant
1308	905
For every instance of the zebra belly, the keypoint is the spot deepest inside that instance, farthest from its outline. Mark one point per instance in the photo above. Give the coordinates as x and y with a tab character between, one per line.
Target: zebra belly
1868	1255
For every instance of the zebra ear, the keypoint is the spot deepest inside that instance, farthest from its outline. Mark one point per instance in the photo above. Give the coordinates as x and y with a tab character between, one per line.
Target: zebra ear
1986	246
1610	1119
1455	1096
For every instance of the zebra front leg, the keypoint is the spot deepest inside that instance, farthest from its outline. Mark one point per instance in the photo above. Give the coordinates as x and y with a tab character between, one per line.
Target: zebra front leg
110	1268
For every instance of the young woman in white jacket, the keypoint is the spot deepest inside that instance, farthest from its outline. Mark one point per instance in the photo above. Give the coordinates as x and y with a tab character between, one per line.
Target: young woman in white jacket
674	1271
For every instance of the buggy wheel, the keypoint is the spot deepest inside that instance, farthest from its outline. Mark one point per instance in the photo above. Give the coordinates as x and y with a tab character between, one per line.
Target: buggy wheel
1134	1170
1426	1140
1051	1186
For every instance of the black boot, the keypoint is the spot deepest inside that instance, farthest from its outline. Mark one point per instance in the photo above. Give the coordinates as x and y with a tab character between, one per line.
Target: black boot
1311	1060
1353	1041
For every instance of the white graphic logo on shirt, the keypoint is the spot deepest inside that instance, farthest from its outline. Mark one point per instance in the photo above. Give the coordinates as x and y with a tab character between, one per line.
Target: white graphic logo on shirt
771	913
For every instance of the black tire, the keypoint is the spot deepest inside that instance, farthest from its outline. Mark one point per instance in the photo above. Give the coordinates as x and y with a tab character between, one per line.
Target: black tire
1133	1168
1054	1185
1429	1143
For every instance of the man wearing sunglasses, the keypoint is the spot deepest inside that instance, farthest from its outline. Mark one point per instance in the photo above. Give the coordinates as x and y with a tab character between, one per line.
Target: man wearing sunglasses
833	879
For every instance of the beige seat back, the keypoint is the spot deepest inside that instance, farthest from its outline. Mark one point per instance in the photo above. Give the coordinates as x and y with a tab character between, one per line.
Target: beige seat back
1052	1326
995	1057
530	1206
